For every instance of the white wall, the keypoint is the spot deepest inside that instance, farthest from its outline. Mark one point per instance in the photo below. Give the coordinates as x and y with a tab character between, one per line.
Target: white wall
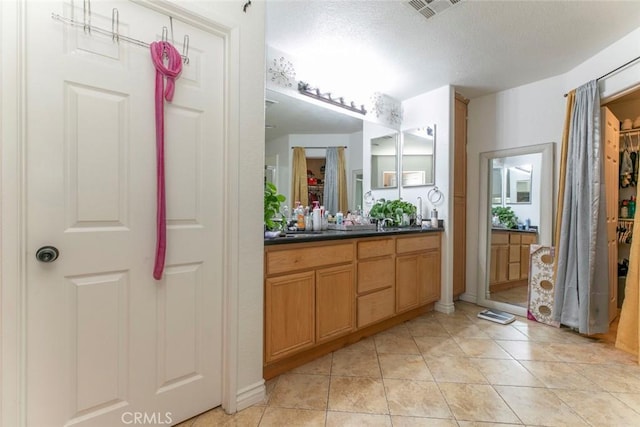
280	147
533	114
436	107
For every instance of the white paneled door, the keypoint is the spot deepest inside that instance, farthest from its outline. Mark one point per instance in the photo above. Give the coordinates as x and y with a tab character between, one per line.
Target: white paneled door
107	344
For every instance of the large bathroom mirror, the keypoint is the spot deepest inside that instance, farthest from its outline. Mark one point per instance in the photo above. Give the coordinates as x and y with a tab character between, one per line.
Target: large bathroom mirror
292	121
516	204
418	153
384	161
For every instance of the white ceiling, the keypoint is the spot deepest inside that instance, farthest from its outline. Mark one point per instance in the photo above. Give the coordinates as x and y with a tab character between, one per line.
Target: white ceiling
478	46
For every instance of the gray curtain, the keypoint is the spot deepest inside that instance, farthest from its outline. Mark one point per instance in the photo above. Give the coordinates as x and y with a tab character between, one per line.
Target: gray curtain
330	197
582	282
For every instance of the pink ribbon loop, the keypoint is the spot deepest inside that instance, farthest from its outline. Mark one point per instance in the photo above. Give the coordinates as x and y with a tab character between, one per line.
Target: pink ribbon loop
160	51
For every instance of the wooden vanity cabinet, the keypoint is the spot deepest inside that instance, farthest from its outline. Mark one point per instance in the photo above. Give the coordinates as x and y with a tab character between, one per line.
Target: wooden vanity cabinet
320	296
312	304
509	258
376	277
417	271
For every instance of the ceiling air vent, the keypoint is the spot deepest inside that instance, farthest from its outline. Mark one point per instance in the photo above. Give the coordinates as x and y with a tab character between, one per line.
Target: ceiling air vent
429	8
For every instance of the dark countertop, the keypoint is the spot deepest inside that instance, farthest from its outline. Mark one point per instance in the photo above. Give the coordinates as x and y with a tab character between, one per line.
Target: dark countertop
314	236
514	230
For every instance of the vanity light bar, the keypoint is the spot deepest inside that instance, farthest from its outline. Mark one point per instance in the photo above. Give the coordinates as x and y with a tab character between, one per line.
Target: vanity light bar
315	93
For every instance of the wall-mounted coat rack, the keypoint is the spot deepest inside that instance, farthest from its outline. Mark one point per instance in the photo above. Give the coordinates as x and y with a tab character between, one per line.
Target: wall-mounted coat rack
115	29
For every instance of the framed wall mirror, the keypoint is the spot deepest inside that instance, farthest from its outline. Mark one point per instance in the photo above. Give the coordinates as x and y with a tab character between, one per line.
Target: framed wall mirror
384	161
418	155
515	183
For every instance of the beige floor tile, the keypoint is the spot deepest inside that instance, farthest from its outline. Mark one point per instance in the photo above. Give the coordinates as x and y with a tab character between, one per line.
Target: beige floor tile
469	331
417	398
577	353
426	328
454	370
503	332
612	378
301	391
400	330
481	424
559	375
599	408
348	419
404	366
320	366
541	333
506	372
438	346
397	344
400	421
278	417
249	417
539	406
482	348
362	345
632	400
269	386
356	394
477	402
187	423
527	350
348	363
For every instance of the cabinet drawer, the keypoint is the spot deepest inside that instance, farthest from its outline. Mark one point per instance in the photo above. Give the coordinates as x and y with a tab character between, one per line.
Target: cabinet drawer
306	258
514	238
376	306
528	239
375	274
499	238
374	248
414	244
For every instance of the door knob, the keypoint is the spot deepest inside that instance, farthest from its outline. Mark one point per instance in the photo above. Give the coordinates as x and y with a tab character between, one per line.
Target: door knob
47	254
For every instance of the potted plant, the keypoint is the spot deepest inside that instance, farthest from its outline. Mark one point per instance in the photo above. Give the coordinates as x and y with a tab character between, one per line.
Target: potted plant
506	216
392	210
272	202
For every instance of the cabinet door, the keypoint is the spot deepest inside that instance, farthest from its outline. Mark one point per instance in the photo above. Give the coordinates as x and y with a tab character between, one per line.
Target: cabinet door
429	285
289	314
407	273
524	261
502	263
335	302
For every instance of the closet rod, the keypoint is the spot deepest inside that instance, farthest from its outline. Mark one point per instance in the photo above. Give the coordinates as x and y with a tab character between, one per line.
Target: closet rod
322	148
626	64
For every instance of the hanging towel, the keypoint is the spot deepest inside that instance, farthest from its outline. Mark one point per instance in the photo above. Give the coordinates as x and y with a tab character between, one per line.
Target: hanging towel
160	51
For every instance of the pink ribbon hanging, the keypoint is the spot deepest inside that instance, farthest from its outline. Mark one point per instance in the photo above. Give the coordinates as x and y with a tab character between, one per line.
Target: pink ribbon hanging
159	51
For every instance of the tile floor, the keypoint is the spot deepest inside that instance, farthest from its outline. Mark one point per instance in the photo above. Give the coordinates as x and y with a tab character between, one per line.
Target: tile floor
454	370
516	296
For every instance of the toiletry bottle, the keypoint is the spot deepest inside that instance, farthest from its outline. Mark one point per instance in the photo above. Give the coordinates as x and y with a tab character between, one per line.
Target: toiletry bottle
299	217
434	218
632	207
317	217
339	217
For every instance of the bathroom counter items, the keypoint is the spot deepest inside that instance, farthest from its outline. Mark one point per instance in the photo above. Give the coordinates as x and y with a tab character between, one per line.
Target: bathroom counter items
325	293
313	236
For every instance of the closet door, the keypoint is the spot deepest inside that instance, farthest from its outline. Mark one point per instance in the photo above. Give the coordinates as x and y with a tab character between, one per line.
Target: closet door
610	137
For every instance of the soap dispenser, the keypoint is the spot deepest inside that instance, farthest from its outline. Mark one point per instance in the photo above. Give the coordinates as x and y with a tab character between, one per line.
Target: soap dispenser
316	217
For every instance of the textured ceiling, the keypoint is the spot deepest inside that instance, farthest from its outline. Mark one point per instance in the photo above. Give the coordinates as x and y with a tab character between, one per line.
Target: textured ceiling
479	46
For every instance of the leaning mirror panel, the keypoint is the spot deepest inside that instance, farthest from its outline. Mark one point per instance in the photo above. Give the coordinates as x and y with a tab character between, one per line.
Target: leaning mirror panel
418	152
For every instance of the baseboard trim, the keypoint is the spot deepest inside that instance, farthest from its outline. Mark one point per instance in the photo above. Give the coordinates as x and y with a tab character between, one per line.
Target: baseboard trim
251	395
446	308
473	299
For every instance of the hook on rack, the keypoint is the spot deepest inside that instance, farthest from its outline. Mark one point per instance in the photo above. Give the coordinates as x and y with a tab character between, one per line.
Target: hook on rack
86	15
115	25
